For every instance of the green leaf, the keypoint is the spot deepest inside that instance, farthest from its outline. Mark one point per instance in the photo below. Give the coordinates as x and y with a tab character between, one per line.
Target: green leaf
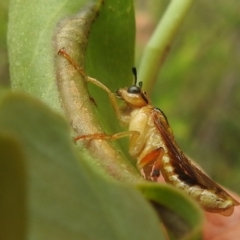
98	28
30	39
182	216
110	55
65	199
13	217
36	67
32	30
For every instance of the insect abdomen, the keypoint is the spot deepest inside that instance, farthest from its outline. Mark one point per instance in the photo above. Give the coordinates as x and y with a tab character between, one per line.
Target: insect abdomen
208	199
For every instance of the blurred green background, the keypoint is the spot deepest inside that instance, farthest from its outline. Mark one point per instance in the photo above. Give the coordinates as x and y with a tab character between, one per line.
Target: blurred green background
198	86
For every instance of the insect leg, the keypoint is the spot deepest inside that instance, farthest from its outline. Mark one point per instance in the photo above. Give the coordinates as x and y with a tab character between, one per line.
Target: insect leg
151	164
102	136
157	165
94	81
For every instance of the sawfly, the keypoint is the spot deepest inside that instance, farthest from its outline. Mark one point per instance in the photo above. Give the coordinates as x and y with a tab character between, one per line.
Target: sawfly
153	145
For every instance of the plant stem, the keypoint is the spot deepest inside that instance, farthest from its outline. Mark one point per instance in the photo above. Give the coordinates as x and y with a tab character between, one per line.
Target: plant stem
161	41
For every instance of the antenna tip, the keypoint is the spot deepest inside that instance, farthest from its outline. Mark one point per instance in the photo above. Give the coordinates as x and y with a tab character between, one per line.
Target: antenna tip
134	70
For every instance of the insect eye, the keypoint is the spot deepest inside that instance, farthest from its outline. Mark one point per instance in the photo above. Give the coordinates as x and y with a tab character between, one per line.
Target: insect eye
134	89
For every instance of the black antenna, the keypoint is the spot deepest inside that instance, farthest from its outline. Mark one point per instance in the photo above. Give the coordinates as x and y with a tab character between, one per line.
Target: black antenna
134	71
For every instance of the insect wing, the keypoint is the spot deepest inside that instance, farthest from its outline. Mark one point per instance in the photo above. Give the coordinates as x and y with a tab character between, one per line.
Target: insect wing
183	166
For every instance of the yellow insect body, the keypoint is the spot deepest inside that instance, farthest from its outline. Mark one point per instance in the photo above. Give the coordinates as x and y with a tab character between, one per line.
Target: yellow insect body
154	133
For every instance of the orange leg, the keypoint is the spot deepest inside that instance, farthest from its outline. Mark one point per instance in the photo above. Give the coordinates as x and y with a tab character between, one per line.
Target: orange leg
94	81
151	164
102	136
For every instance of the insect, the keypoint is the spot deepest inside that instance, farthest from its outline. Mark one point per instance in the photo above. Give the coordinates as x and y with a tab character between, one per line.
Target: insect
153	145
